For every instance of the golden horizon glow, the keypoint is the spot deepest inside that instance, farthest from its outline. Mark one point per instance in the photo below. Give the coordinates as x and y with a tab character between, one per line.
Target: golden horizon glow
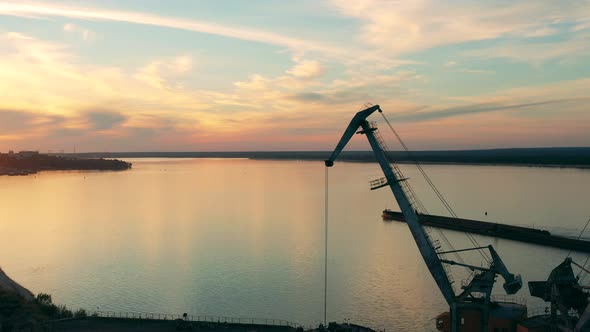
289	91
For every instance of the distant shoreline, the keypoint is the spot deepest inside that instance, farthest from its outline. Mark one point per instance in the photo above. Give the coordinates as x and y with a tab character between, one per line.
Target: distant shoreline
31	162
492	164
575	157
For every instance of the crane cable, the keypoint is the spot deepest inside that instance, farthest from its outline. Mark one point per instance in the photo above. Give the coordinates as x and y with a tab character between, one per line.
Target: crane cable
579	236
587	257
435	189
418	202
420	207
325	246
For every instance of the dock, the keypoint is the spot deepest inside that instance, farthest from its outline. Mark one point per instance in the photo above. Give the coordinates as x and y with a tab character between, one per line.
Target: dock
498	230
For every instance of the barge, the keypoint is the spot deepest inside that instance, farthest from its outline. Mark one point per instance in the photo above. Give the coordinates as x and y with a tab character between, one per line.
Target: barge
503	231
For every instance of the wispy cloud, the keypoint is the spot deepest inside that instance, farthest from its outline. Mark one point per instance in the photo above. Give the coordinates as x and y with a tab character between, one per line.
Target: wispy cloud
84	33
450	64
29	10
158	72
306	68
463	110
13	121
402	27
477	71
582	25
104	120
539	52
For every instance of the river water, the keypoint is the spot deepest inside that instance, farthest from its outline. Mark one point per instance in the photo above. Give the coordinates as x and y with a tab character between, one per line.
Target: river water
245	238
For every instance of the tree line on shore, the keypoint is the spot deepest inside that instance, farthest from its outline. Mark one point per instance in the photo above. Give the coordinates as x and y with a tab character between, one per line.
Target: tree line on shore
15	164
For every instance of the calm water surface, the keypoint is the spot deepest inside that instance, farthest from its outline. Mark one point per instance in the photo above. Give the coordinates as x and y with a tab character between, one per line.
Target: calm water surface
244	238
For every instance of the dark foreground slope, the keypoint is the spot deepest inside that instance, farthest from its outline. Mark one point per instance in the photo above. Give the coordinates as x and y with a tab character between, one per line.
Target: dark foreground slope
560	157
20	310
10	286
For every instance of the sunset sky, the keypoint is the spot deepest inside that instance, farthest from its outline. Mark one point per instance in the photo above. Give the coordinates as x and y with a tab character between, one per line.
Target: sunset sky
288	75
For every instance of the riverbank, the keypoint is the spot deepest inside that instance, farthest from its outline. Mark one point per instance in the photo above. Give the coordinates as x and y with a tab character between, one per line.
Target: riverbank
94	323
26	163
21	310
15	171
155	322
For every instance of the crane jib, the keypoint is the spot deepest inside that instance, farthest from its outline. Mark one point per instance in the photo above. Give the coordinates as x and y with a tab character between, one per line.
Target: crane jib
355	123
422	241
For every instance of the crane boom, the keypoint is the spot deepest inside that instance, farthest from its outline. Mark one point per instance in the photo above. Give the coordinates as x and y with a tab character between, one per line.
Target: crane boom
512	283
422	240
355	123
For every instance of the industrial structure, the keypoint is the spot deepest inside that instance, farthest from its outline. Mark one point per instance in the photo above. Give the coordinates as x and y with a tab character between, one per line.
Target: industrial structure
569	304
472	308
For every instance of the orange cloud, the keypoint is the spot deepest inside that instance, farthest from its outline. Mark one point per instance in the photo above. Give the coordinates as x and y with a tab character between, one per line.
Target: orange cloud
58	100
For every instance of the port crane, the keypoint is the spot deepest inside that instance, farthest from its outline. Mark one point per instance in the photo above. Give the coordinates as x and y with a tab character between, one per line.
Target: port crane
471	308
570	305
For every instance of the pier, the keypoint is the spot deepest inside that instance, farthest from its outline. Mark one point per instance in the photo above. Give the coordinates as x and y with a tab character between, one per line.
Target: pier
503	231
